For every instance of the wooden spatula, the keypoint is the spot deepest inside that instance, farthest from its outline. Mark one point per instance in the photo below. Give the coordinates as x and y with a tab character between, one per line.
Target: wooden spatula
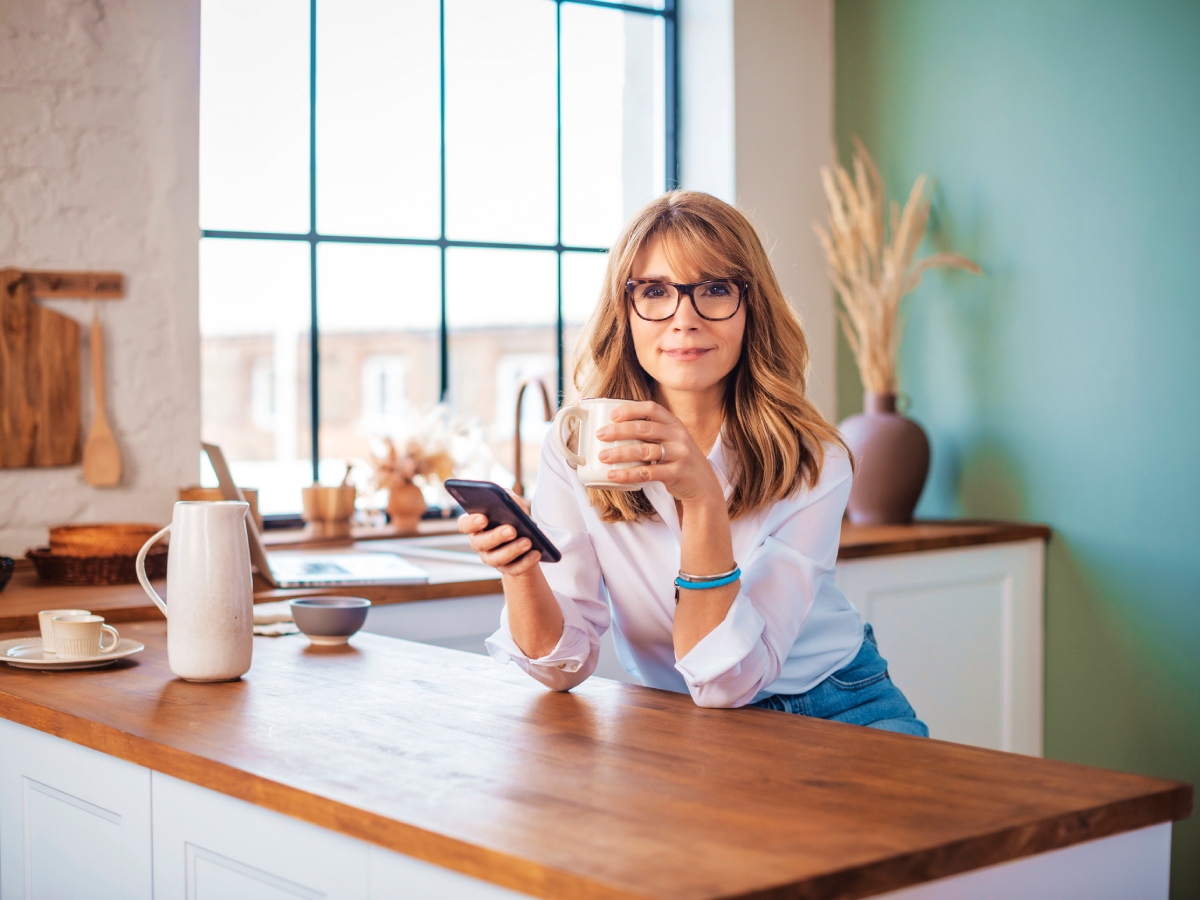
101	456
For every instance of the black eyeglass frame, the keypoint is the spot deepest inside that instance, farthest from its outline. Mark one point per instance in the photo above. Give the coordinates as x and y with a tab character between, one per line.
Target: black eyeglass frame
687	290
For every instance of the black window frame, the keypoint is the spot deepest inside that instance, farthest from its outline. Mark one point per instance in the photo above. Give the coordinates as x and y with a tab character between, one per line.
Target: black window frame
668	13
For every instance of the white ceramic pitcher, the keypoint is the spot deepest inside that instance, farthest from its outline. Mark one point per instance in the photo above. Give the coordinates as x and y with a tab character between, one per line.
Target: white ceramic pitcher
210	621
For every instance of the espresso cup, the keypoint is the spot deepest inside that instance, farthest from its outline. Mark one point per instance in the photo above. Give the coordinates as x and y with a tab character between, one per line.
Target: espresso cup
80	637
592	414
46	624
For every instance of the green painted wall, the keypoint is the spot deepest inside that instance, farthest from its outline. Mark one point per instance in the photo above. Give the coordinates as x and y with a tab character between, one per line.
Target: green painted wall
1065	387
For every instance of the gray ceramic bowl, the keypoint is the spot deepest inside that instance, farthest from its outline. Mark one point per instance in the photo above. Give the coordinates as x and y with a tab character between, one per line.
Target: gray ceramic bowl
329	620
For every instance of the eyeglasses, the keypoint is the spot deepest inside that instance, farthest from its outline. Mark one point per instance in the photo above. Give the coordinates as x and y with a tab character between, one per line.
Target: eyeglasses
657	301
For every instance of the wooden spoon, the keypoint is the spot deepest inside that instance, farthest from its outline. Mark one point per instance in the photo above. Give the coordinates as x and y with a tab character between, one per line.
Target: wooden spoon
101	456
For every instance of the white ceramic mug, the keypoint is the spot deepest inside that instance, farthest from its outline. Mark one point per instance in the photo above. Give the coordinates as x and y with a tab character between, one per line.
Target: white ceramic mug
46	624
210	619
592	414
81	637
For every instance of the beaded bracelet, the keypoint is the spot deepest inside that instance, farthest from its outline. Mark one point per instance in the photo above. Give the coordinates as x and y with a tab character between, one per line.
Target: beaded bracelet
712	582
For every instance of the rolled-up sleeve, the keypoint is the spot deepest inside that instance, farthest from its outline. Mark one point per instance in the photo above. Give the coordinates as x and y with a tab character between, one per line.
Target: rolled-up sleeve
780	579
576	581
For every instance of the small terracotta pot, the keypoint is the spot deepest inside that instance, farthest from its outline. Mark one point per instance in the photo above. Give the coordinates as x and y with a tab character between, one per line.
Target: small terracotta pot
405	506
327	510
891	455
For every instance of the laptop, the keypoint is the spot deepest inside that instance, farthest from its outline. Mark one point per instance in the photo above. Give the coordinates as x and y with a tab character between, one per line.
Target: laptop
308	569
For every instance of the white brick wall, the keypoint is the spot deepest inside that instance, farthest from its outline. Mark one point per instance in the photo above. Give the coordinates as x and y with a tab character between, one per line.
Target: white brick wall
99	112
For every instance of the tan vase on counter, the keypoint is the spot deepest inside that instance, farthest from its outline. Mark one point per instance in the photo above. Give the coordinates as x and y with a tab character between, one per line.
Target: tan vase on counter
405	506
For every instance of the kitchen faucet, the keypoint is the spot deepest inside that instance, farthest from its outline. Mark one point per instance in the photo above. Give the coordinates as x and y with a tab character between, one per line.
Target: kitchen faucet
548	410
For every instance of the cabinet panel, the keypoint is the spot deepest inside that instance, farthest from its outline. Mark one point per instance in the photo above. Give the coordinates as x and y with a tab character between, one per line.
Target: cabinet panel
398	877
73	822
208	846
211	876
962	633
945	649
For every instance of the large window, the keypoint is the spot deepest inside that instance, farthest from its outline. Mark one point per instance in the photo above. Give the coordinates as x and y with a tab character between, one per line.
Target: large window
407	203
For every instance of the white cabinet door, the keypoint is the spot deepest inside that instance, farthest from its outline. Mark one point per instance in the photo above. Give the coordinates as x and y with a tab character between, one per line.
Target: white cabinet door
398	877
208	846
73	822
962	633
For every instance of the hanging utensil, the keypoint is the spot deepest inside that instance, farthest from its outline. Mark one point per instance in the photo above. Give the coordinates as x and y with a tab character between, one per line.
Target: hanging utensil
101	456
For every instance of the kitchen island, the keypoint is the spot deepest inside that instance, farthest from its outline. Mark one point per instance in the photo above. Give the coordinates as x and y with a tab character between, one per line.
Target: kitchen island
393	769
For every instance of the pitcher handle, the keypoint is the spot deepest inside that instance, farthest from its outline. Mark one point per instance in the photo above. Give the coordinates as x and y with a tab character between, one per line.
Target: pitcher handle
569	412
140	566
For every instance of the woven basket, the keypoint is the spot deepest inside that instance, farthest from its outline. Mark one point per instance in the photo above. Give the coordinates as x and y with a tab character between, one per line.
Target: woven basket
100	539
93	570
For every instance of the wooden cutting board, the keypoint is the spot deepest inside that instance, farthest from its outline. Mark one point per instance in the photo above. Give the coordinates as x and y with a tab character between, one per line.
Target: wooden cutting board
39	379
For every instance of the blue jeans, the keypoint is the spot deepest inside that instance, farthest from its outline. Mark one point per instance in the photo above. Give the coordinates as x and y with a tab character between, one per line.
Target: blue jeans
862	693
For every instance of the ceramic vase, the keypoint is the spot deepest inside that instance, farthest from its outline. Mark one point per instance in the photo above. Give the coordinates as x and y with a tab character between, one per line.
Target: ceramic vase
405	506
891	455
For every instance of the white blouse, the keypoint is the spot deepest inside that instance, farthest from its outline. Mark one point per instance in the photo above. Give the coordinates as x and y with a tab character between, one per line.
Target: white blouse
787	630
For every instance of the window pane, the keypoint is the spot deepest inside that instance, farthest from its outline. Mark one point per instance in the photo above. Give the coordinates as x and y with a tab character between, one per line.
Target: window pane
378	311
378	143
254	352
500	121
254	115
583	277
613	120
501	310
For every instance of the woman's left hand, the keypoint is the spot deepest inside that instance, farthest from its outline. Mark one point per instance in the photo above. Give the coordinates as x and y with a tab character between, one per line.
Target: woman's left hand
666	451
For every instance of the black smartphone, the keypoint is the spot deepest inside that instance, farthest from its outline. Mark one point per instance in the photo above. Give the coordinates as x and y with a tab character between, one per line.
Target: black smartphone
491	500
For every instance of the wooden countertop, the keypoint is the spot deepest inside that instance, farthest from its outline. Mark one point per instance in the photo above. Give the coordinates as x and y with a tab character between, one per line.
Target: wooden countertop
862	541
611	791
25	595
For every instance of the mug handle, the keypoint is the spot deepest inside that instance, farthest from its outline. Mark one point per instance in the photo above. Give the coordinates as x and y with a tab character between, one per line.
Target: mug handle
140	567
115	635
569	412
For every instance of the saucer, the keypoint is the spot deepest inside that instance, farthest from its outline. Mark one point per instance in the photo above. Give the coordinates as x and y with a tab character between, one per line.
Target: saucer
26	653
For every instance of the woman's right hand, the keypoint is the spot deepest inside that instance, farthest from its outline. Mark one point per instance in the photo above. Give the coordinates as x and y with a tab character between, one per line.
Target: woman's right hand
499	547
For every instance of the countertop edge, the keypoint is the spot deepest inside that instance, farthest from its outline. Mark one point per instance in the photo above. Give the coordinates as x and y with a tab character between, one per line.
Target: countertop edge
999	533
992	848
1172	803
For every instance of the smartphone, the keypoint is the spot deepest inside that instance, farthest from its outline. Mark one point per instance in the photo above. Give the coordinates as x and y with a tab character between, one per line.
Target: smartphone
493	501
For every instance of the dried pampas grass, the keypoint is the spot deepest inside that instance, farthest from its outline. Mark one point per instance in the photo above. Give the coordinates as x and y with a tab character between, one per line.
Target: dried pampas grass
872	270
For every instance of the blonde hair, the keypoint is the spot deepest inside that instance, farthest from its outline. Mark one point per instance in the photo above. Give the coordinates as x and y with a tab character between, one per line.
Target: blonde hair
775	433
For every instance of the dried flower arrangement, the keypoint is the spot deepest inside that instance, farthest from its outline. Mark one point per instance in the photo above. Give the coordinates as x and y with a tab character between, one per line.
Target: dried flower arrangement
873	270
412	468
396	469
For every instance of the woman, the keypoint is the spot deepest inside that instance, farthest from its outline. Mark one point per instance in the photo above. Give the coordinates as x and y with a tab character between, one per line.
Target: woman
746	488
